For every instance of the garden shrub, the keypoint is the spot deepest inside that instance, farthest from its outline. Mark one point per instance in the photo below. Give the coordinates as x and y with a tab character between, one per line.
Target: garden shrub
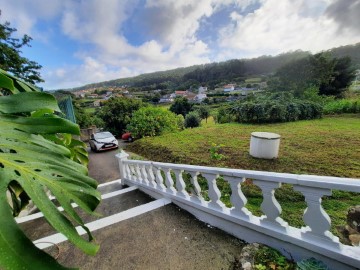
223	116
342	106
180	121
192	120
152	121
271	111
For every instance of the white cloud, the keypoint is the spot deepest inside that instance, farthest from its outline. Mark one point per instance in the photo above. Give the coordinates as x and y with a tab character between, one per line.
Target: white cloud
283	25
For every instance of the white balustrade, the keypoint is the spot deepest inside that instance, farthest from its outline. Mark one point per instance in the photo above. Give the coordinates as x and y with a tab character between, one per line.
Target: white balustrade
238	198
151	176
169	182
180	184
214	192
270	206
315	236
194	181
159	179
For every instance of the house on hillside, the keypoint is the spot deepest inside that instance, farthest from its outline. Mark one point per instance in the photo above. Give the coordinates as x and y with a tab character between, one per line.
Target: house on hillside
202	89
166	99
97	103
181	93
229	87
93	96
200	98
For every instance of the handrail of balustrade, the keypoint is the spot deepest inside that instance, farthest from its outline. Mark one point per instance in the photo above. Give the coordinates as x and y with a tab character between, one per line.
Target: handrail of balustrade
328	182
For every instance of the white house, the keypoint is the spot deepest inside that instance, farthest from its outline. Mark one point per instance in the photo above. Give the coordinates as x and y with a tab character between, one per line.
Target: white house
229	87
202	89
200	97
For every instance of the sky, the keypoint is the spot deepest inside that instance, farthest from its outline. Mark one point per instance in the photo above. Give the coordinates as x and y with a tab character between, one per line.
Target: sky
85	41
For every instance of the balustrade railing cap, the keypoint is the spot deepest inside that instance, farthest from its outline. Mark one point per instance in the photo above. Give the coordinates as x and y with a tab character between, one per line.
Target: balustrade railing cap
265	135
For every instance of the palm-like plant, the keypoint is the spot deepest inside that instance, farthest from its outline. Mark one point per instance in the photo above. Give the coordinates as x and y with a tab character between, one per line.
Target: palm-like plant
37	153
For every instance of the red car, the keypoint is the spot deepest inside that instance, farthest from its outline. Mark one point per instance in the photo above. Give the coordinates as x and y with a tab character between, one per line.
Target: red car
127	137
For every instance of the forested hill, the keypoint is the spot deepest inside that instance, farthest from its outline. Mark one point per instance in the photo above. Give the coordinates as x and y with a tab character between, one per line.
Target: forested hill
229	71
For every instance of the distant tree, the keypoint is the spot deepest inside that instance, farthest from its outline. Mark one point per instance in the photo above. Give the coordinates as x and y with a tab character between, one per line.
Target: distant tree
330	75
117	113
342	76
203	111
181	106
156	98
192	120
10	55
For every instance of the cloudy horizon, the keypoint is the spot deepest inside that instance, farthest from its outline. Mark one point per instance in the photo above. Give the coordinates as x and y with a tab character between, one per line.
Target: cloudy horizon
82	42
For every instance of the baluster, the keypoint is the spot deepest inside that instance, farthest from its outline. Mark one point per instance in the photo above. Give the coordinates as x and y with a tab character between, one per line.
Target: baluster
169	182
151	176
133	173
317	220
128	171
238	198
214	192
180	184
270	206
138	173
159	179
198	197
144	175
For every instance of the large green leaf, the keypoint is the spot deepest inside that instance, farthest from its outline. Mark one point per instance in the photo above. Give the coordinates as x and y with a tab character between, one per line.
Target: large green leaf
28	102
6	82
37	164
17	84
40	125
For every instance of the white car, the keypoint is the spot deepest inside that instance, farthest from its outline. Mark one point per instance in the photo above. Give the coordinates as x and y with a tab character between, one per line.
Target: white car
103	141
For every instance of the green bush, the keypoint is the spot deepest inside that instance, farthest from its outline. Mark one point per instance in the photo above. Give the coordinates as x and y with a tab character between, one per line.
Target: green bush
180	121
192	120
271	111
223	116
342	106
152	121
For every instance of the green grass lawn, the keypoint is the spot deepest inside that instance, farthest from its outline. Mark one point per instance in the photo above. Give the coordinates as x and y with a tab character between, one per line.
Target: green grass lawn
253	80
90	110
328	146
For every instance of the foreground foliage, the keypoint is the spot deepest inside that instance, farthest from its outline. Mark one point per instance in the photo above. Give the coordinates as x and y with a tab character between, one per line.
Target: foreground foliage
38	154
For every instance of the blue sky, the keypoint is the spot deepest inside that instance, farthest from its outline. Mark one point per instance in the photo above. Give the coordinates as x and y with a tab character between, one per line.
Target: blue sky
85	41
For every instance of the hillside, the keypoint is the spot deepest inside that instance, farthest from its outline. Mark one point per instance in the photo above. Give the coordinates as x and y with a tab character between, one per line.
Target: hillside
235	70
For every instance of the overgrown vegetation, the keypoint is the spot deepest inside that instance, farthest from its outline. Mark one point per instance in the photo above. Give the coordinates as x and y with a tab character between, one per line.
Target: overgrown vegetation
153	121
342	106
269	258
117	113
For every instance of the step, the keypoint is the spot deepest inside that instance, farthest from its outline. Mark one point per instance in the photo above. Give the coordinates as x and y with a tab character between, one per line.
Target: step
49	241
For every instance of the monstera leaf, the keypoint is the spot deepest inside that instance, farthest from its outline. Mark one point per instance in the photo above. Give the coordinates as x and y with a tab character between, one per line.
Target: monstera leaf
37	164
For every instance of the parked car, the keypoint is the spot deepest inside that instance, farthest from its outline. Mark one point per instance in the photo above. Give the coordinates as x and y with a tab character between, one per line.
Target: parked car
103	141
127	137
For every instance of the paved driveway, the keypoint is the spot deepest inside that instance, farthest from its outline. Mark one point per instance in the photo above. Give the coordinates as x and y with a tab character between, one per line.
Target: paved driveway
103	166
